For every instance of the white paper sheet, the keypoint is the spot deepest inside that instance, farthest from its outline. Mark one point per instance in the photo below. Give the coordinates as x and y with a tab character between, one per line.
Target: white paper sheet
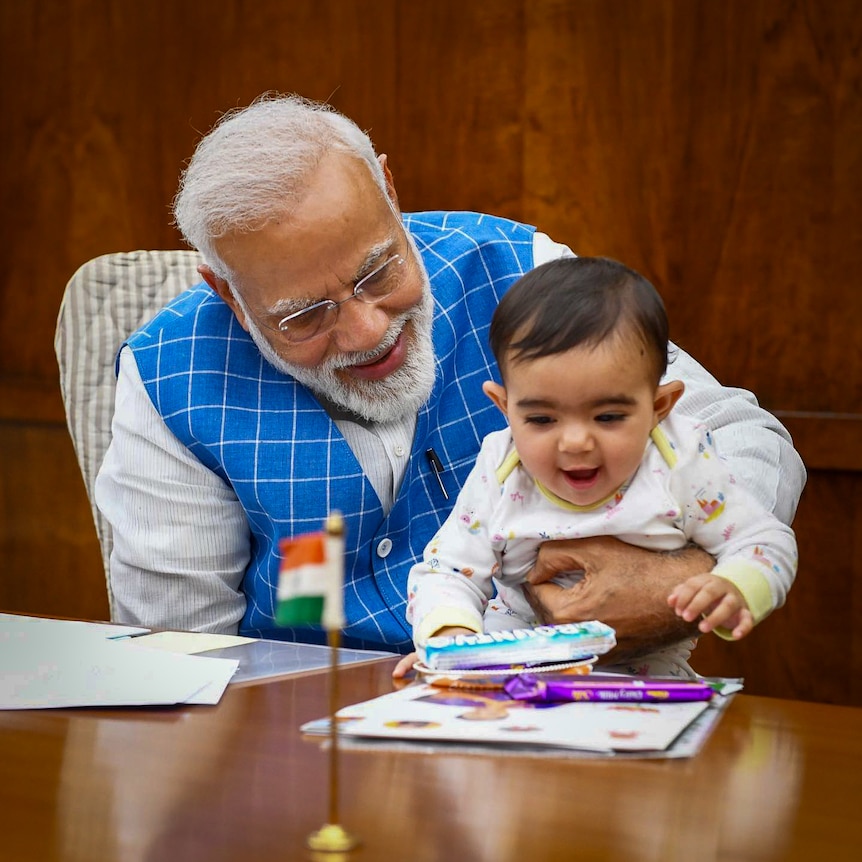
189	643
59	663
107	630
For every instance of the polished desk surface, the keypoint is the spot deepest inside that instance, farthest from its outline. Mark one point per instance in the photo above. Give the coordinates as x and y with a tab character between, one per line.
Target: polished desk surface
237	781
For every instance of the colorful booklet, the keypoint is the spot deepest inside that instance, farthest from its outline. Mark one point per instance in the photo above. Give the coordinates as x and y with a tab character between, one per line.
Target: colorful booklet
518	647
429	714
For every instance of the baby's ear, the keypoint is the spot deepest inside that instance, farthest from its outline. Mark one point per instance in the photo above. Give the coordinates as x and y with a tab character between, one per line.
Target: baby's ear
666	396
497	394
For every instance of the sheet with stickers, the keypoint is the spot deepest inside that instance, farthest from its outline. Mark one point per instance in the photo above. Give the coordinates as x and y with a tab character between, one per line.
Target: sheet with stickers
487	719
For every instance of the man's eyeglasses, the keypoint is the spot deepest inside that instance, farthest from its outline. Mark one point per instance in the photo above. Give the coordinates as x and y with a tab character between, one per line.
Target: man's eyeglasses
319	318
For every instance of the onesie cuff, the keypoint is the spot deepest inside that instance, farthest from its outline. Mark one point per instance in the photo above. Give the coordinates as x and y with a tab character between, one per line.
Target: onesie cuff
441	617
752	583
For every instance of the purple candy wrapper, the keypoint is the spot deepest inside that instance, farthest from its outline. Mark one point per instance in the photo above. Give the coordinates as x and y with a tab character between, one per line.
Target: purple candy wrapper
551	688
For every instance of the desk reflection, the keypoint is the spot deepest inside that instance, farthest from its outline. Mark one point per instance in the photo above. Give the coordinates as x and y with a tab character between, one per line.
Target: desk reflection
237	781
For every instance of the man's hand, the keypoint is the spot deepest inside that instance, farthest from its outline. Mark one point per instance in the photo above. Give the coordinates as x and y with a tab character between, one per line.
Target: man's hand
623	586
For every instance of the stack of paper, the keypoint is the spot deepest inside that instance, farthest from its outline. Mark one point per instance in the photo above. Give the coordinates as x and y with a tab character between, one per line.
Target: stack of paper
60	663
490	718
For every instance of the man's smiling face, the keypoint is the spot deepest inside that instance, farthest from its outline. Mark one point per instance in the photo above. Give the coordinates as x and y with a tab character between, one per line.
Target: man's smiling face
377	359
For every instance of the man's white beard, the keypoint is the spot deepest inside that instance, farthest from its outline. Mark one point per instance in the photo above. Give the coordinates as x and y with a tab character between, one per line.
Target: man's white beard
385	400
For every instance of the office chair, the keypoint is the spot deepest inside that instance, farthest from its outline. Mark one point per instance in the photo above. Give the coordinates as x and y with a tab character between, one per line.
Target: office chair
106	300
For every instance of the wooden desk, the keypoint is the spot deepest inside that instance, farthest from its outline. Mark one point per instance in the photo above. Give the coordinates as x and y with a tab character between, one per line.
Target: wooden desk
777	780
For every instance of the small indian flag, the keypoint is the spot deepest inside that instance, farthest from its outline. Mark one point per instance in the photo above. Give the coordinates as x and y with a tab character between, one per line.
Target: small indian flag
311	578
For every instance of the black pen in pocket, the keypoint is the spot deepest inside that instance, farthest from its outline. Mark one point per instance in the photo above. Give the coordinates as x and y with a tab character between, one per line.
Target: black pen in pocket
438	468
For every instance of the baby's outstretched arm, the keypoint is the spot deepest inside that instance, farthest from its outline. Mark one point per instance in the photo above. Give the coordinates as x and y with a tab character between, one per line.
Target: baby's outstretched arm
716	600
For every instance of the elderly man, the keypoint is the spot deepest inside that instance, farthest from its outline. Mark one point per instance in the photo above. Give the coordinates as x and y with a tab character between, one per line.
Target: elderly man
334	358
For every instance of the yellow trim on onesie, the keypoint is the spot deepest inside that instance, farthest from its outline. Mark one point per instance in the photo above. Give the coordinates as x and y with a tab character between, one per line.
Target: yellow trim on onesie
572	507
513	459
751	582
442	617
663	445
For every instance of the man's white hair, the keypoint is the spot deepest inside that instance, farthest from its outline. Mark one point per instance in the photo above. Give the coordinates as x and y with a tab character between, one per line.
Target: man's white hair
254	166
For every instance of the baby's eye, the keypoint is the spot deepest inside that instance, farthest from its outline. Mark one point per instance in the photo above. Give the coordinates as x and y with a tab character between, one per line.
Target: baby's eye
610	417
538	420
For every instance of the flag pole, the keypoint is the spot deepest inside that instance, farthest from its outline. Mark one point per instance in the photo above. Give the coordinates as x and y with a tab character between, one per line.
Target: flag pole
332	837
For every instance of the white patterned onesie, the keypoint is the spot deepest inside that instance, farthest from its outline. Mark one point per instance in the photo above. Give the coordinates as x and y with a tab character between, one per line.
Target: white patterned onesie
473	568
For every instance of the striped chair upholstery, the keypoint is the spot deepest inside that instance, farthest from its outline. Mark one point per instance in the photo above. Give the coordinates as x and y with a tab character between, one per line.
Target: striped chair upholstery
106	300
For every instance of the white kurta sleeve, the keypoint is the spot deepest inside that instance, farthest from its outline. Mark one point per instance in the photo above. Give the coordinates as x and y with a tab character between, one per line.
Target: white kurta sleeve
757	447
181	541
753	549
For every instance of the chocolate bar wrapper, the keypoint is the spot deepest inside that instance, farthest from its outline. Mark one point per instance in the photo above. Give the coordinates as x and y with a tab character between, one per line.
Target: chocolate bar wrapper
552	688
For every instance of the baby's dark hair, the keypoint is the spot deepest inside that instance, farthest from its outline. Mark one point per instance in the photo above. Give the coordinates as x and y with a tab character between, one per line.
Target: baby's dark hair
577	301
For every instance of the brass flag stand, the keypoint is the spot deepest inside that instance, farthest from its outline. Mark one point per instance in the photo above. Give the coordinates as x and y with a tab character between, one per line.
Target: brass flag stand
332	837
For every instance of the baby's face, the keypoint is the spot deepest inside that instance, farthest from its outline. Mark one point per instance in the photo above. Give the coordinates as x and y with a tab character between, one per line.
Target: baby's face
581	420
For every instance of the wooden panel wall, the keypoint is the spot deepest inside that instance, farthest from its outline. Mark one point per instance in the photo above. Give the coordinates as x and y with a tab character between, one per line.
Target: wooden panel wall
715	146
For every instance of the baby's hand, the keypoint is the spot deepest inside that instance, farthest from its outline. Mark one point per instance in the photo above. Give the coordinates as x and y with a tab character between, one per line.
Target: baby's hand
406	664
452	631
717	600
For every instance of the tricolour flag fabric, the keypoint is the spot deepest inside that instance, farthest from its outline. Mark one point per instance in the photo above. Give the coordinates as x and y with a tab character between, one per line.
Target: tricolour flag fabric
311	578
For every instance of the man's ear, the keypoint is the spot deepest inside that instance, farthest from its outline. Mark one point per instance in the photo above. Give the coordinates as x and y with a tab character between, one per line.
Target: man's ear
666	396
383	159
222	288
497	394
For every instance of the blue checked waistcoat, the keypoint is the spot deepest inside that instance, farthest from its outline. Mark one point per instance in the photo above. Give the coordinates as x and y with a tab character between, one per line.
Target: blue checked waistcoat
270	440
